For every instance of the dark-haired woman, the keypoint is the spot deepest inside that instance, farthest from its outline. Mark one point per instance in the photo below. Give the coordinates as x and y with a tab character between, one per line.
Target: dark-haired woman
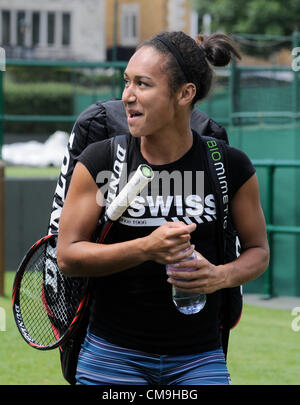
135	334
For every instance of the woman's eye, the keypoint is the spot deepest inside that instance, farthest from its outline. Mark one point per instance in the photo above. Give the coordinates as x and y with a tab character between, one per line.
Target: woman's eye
139	83
142	84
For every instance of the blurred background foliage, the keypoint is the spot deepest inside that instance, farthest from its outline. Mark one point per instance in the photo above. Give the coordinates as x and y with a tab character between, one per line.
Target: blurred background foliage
275	17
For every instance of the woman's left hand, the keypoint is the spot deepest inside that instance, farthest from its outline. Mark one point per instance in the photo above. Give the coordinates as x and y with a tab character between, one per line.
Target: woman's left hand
206	278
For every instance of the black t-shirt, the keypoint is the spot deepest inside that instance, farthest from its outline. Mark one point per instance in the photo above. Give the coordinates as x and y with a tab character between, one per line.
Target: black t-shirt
134	308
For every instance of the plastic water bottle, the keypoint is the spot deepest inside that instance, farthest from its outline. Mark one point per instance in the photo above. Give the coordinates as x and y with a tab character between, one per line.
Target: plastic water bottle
187	303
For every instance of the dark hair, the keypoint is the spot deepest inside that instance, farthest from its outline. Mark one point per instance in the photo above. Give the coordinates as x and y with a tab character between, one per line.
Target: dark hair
198	56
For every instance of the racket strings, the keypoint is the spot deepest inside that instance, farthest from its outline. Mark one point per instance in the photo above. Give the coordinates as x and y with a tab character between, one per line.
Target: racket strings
48	319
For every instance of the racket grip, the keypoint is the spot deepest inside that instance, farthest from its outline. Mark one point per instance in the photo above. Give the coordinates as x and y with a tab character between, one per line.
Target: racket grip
139	180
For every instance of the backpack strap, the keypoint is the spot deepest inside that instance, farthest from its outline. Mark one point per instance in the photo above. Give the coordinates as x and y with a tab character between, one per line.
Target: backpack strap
69	351
119	148
216	160
119	152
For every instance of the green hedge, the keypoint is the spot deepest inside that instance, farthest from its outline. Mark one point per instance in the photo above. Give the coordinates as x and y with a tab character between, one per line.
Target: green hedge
37	99
53	90
49	99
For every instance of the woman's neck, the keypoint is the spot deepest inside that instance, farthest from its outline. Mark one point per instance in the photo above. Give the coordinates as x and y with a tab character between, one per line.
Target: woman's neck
169	149
169	144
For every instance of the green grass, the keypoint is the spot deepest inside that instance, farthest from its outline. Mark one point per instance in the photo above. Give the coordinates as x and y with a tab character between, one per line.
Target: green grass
26	171
263	350
19	363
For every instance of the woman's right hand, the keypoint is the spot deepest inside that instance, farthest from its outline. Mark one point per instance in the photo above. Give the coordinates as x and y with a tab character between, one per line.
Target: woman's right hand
166	244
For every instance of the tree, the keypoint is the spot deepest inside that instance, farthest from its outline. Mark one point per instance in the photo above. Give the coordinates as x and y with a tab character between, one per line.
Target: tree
274	17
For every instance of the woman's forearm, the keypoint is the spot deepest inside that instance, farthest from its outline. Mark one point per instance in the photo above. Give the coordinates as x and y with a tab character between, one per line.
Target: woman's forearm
247	267
169	242
87	259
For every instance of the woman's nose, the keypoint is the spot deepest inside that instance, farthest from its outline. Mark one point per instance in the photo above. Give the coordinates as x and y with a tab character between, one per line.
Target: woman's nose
129	94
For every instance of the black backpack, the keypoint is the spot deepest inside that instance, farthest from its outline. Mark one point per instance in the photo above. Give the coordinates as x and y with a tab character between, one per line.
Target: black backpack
109	117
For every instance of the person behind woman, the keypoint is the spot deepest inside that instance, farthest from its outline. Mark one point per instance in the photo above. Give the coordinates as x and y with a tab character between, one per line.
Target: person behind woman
135	333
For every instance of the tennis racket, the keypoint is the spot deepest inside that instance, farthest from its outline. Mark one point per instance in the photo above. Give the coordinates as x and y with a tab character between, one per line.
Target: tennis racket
47	305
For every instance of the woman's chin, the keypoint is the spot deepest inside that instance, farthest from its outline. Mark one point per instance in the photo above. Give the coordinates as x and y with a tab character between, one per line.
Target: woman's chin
137	133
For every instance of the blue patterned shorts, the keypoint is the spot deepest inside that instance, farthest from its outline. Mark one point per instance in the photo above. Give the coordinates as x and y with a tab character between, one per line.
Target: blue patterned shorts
103	363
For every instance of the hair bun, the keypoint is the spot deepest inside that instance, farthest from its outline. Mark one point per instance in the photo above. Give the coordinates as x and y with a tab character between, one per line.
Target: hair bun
218	48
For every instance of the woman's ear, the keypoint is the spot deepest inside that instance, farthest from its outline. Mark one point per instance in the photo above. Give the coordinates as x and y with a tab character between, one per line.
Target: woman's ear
186	94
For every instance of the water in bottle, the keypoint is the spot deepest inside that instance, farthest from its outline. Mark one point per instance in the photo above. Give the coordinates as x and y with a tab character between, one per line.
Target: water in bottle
187	303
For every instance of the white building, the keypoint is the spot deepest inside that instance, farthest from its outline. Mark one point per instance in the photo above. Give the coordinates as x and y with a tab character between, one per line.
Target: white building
53	29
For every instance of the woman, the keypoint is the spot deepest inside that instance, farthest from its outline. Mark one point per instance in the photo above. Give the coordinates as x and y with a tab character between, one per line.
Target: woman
135	334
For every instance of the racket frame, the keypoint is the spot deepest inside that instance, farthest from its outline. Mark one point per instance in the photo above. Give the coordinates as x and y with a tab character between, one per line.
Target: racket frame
16	302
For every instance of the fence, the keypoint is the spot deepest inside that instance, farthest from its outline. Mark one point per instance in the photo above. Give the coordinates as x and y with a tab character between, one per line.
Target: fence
272	228
249	95
91	95
261	93
2	229
242	95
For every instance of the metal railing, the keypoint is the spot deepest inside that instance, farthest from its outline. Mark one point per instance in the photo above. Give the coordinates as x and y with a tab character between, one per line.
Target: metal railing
271	166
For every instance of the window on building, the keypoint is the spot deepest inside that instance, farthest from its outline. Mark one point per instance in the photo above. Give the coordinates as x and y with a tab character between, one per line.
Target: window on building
66	29
21	27
30	30
35	28
130	24
5	27
51	28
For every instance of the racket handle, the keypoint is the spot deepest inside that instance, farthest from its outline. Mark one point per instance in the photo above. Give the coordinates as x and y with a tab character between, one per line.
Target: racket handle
139	180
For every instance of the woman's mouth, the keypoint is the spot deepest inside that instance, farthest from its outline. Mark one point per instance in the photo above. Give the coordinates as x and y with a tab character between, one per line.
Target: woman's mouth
133	117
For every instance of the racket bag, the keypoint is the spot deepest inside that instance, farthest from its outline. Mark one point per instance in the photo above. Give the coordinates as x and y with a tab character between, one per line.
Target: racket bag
69	351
